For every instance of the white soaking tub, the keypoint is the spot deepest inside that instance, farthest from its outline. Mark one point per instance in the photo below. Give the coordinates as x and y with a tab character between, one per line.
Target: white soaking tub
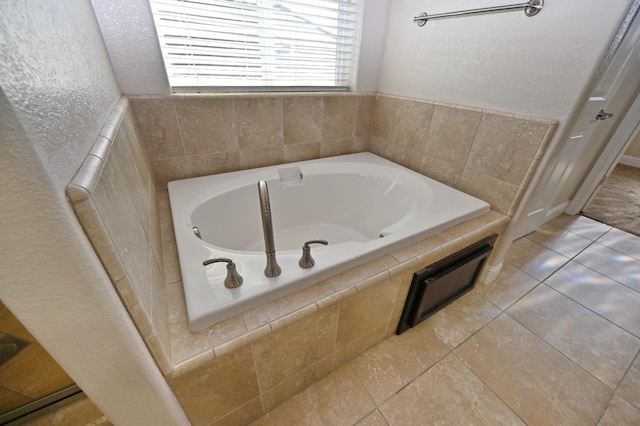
363	205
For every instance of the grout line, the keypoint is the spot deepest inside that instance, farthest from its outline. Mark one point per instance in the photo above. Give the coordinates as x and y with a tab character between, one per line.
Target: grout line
473	142
478	330
489	387
255	369
449	351
406	385
597	272
580	304
601	316
608	277
560	352
541	339
348	364
523	295
571	298
592	311
615	391
335	340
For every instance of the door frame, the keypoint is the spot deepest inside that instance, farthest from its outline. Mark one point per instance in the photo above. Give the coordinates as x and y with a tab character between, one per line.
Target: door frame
624	134
540	207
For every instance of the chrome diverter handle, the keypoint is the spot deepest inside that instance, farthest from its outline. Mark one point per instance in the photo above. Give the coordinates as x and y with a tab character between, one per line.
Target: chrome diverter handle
306	261
233	278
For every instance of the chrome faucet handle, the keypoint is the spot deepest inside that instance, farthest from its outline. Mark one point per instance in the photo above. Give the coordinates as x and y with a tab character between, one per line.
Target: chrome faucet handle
306	261
233	278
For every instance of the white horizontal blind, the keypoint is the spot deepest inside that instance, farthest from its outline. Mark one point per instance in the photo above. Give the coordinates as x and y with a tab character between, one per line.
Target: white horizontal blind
243	44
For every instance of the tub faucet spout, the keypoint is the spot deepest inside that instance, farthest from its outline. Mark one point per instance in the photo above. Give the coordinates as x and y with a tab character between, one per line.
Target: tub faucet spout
272	269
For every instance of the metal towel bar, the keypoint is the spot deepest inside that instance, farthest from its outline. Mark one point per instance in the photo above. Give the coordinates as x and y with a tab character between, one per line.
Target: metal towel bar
531	8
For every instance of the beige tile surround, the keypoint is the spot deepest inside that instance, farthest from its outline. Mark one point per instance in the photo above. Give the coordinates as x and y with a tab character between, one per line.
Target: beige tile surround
489	154
114	197
194	135
540	356
238	369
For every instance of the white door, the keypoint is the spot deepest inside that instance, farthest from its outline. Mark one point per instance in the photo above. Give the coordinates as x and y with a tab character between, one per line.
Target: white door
608	159
594	128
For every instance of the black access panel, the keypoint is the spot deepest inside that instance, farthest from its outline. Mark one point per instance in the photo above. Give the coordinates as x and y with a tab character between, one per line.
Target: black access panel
439	284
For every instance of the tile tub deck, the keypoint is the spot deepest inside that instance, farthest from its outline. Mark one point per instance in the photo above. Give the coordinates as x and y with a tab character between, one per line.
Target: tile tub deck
248	364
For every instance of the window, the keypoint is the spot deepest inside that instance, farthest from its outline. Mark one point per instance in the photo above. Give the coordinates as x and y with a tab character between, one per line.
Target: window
257	44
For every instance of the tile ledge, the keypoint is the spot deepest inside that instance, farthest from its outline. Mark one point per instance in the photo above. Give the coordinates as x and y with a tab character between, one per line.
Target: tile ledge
487	111
494	222
84	182
238	95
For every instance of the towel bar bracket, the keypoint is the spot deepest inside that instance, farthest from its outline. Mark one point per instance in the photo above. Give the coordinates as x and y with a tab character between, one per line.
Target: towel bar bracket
531	8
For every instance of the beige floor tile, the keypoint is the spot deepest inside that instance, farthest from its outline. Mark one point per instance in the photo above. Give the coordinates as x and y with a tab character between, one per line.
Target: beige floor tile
459	320
597	345
606	297
52	379
373	419
630	387
510	285
448	393
338	399
102	421
79	412
620	413
534	259
539	370
536	381
296	383
615	265
43	420
621	241
566	243
23	368
10	400
580	225
390	365
243	415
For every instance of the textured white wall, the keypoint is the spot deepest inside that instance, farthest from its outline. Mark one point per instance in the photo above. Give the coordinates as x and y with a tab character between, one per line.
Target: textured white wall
506	61
56	90
374	30
634	148
137	60
541	66
53	72
130	36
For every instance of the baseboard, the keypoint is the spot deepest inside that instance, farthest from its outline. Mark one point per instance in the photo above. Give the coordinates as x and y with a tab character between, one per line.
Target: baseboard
628	160
556	211
490	273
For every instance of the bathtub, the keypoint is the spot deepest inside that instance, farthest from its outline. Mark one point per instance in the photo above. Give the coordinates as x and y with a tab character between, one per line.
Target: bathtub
363	205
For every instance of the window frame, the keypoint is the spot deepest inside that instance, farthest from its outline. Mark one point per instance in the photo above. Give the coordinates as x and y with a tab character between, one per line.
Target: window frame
348	60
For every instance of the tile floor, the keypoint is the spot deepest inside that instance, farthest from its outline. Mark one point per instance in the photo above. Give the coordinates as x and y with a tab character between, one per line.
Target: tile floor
553	341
